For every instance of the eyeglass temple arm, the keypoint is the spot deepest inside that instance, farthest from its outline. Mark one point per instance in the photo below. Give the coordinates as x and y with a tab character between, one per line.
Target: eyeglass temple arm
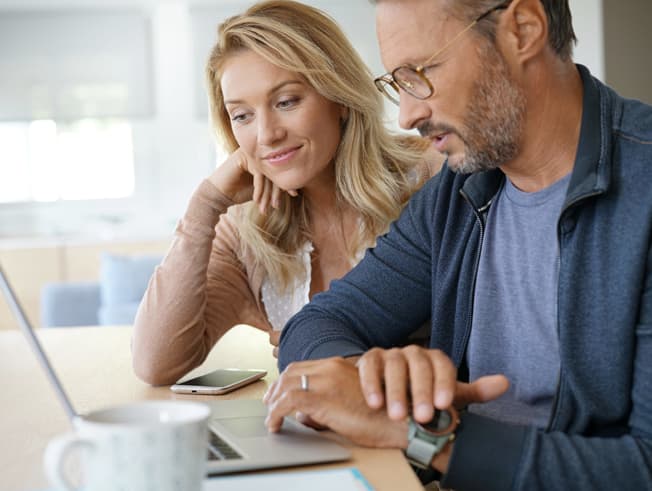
445	47
502	6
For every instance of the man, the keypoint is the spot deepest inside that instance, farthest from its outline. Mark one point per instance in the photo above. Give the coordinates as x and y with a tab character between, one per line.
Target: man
530	251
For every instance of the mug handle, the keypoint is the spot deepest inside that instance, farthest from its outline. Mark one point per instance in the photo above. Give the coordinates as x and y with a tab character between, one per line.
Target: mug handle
55	456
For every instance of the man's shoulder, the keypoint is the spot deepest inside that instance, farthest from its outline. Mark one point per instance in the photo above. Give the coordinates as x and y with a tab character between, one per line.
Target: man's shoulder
445	181
632	120
444	185
440	200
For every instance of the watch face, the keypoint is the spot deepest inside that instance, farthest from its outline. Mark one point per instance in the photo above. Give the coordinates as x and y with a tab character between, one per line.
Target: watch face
444	421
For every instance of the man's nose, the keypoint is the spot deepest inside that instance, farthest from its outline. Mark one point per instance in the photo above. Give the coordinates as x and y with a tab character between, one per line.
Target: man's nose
270	129
412	111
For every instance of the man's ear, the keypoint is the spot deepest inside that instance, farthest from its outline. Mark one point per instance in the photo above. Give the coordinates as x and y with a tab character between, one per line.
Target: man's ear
523	31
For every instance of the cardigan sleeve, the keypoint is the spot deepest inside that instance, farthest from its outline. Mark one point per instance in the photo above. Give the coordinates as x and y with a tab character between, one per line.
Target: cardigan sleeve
199	291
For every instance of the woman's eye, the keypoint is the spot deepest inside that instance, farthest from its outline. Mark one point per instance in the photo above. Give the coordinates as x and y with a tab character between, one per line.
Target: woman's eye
239	117
287	103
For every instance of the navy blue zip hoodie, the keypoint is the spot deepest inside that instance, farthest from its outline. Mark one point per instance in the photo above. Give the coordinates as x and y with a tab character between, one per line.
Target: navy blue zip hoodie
600	430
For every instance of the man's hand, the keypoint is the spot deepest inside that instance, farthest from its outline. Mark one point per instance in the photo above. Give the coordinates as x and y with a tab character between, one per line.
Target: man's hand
334	400
427	378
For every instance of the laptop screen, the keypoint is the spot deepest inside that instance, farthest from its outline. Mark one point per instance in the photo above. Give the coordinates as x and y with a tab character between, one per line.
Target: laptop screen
29	333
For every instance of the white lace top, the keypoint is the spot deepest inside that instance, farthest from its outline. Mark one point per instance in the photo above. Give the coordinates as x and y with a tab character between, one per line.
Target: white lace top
281	306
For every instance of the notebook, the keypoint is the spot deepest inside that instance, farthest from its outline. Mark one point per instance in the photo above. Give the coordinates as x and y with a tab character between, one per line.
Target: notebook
347	479
239	440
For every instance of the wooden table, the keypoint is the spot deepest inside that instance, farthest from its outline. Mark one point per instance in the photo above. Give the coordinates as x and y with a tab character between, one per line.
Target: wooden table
94	364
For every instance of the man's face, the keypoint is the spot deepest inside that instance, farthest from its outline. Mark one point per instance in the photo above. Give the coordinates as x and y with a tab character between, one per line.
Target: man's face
477	112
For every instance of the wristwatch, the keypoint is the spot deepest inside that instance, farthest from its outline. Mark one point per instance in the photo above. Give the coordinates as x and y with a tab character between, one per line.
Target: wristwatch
426	441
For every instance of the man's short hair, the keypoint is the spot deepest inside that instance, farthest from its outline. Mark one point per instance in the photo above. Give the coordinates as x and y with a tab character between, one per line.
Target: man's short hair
561	35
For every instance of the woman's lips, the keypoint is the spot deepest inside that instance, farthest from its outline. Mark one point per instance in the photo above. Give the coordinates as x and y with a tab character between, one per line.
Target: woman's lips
278	158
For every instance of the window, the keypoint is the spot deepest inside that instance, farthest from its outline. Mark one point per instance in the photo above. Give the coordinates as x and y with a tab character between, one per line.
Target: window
47	161
72	80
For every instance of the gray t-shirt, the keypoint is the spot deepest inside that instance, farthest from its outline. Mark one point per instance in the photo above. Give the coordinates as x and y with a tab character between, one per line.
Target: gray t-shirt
514	330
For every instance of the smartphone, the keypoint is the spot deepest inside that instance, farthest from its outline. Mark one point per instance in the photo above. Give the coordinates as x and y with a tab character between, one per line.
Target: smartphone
218	382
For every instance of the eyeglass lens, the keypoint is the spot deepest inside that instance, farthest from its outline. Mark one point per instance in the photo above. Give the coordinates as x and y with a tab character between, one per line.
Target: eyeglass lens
412	82
388	89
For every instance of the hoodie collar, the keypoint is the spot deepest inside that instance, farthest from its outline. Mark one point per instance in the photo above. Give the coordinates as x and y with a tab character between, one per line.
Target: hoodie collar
590	175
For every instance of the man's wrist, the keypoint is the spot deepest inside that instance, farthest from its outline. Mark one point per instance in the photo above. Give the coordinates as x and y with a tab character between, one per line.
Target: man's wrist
442	459
397	435
425	442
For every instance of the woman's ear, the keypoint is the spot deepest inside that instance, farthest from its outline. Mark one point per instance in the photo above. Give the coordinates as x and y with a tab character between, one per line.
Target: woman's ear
344	114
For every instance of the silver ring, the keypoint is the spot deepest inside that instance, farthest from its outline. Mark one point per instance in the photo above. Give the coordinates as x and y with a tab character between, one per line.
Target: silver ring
304	382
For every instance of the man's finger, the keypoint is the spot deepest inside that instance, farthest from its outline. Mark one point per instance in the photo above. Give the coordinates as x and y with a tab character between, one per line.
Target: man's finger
396	384
290	378
289	403
445	376
270	390
370	367
308	421
483	389
421	383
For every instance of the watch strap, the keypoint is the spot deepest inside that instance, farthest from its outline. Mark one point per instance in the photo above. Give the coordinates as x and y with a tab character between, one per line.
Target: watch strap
424	443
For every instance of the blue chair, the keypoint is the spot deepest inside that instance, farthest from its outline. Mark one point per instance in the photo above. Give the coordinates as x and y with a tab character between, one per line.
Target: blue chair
70	304
113	300
123	281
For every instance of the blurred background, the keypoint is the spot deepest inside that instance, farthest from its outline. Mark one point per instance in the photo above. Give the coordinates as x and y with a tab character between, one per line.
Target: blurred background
104	133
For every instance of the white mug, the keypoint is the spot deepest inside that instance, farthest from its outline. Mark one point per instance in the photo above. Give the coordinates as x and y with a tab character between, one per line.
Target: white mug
154	445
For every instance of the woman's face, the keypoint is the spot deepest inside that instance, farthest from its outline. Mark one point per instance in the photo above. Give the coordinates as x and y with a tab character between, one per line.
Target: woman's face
289	131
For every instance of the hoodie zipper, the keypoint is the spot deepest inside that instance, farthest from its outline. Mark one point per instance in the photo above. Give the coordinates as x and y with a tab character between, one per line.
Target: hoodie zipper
479	212
555	400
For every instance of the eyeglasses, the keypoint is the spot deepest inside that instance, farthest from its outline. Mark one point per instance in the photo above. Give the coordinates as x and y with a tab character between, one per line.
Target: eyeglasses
413	80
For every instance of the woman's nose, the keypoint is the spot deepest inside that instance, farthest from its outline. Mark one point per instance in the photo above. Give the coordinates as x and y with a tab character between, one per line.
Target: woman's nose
270	129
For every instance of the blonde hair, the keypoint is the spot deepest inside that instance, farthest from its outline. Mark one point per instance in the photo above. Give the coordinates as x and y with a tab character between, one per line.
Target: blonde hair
372	167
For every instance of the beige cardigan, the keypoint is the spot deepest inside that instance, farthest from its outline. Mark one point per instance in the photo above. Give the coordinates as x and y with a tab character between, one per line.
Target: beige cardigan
203	287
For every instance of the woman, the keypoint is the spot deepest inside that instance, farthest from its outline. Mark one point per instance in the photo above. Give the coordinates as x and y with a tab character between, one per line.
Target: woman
297	108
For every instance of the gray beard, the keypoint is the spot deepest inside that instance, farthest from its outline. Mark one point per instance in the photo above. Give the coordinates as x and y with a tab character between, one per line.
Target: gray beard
496	116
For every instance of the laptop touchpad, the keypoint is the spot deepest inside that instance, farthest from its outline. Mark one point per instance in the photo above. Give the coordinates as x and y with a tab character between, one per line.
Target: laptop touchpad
245	427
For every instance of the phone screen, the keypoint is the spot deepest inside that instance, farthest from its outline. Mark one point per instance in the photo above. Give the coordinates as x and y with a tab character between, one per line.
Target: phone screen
222	378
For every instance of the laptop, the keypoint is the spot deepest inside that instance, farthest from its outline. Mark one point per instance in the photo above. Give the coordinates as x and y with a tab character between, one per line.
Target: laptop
239	440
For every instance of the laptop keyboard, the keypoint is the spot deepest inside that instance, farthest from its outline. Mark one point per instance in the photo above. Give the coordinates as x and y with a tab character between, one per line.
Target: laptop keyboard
218	449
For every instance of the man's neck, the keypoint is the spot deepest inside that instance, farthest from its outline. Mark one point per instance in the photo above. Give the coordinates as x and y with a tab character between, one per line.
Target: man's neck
552	129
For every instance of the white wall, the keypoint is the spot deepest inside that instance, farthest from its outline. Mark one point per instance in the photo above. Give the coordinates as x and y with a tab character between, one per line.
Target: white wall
174	150
588	24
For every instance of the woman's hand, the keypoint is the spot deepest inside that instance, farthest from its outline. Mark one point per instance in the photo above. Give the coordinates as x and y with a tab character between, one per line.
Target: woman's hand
274	340
240	179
